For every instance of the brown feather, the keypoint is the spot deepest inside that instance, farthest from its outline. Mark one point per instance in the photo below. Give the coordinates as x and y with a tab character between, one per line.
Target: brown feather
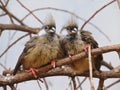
74	44
40	50
87	37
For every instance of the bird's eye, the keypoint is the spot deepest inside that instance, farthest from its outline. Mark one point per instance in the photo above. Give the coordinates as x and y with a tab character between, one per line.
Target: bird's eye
68	28
46	27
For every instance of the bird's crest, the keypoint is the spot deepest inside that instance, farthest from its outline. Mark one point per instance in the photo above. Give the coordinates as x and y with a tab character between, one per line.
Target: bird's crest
49	20
72	22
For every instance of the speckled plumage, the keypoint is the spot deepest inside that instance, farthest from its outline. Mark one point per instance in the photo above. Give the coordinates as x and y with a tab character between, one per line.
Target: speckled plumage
87	37
40	50
74	44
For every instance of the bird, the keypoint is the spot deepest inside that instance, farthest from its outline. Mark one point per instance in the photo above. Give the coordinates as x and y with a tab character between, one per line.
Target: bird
88	38
73	44
41	50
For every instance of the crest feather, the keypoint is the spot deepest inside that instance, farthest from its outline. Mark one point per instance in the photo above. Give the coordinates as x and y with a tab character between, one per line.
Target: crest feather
49	20
71	22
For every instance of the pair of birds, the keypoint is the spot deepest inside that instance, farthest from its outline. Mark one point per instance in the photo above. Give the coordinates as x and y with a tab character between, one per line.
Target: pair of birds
45	49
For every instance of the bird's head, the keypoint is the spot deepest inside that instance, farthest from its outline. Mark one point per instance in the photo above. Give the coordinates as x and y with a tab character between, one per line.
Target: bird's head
71	26
71	30
49	25
50	29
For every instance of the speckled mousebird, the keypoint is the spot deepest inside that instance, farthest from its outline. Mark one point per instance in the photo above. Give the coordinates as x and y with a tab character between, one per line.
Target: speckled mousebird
73	44
88	38
41	50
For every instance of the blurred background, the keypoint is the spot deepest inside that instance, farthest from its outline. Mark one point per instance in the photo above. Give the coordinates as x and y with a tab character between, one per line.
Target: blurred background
107	20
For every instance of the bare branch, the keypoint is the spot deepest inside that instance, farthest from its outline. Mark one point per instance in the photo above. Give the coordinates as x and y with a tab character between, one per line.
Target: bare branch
3	66
96	13
19	27
46	85
112	84
118	1
13	44
6	3
74	83
101	84
90	68
11	15
24	76
3	14
109	66
30	11
12	87
82	82
72	13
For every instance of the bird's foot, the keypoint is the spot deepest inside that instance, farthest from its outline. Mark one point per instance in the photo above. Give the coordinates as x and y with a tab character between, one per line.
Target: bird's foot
86	48
34	71
53	63
69	56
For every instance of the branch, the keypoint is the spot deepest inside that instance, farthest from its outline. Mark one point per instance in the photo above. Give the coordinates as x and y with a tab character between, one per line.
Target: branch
30	12
74	83
10	14
24	76
118	1
118	81
101	84
13	44
96	13
68	12
19	27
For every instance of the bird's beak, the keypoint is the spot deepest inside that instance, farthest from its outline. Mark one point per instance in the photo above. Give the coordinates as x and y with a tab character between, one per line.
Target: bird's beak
74	32
51	31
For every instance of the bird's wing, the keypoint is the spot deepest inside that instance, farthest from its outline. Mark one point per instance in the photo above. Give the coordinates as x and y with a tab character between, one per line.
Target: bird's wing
86	37
30	44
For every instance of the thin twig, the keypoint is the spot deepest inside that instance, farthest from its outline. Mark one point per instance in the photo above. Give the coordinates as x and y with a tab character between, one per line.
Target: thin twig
96	13
74	83
90	68
66	11
69	84
19	27
3	66
5	9
39	85
78	80
43	71
3	14
7	2
118	2
107	87
109	66
12	87
46	85
30	12
13	44
11	15
12	36
82	82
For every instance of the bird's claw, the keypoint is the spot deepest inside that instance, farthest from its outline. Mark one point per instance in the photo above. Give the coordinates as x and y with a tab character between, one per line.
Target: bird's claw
69	56
86	48
53	63
33	70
